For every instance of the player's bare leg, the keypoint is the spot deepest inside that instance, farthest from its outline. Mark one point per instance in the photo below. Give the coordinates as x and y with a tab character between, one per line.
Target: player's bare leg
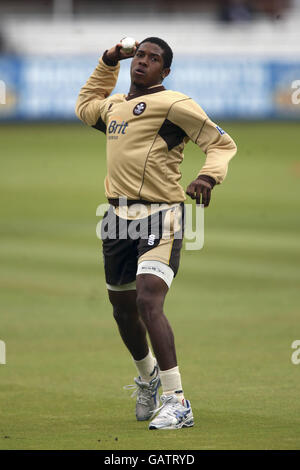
151	293
138	312
130	324
176	411
134	335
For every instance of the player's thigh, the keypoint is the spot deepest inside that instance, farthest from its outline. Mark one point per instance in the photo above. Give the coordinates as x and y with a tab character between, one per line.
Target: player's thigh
158	264
160	260
119	256
160	252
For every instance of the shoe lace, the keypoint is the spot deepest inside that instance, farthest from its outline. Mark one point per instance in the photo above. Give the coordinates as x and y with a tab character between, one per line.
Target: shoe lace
143	394
133	387
167	407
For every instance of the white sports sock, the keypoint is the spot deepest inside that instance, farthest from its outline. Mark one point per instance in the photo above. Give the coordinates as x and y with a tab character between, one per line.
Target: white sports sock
146	366
171	383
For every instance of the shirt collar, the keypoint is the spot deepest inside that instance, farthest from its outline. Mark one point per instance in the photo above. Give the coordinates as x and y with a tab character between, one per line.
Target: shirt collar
147	91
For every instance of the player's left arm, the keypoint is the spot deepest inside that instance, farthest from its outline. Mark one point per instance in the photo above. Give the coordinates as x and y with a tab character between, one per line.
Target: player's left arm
217	145
219	149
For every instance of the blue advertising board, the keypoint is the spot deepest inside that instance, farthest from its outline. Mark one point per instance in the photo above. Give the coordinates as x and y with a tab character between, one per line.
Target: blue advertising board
45	88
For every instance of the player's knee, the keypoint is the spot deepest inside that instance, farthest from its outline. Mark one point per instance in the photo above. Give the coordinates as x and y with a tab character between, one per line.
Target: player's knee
148	306
121	315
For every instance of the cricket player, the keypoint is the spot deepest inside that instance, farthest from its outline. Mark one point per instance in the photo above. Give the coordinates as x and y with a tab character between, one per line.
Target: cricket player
146	131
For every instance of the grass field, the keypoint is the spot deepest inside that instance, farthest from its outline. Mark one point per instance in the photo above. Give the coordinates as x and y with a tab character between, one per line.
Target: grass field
234	306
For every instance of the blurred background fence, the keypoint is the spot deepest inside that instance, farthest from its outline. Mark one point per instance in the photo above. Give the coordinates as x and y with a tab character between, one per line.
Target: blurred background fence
239	59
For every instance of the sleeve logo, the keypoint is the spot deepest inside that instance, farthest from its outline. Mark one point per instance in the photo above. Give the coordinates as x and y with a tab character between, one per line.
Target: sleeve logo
220	130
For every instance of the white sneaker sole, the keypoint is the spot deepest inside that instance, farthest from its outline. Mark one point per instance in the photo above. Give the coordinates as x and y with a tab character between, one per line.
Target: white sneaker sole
185	424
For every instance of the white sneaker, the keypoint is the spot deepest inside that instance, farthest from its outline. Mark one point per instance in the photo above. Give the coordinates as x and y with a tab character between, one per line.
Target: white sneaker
172	414
147	400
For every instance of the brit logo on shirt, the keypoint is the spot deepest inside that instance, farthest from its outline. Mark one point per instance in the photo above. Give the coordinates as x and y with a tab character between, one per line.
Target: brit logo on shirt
139	108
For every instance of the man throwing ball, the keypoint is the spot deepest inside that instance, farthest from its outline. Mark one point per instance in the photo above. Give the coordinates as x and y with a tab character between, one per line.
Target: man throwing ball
146	131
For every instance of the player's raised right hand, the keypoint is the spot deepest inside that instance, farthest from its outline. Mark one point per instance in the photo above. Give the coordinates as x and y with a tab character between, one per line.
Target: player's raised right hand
116	53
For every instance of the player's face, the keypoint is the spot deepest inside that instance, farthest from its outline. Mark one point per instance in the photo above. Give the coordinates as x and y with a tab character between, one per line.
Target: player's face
147	66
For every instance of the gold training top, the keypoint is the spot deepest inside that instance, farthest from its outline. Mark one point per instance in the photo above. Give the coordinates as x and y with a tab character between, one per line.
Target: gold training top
146	134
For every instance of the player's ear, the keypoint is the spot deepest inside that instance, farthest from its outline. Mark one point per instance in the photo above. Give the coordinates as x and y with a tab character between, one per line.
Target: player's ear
165	73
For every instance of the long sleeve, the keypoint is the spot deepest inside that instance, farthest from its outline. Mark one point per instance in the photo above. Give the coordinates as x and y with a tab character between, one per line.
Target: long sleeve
90	102
218	146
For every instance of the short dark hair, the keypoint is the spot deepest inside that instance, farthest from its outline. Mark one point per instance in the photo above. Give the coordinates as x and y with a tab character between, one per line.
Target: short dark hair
168	53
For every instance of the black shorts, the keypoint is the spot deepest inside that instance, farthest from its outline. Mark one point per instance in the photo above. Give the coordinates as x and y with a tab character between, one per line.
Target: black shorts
126	243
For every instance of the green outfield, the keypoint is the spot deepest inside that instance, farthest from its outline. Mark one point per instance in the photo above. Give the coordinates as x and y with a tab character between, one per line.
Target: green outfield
234	306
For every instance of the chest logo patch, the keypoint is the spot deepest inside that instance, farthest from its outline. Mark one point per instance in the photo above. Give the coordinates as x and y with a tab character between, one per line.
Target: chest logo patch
139	108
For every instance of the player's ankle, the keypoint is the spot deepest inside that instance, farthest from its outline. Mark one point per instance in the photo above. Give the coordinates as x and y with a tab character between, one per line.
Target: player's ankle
147	367
171	383
179	395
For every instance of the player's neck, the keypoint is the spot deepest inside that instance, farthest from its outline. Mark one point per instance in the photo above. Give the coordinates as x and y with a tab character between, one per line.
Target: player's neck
134	89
